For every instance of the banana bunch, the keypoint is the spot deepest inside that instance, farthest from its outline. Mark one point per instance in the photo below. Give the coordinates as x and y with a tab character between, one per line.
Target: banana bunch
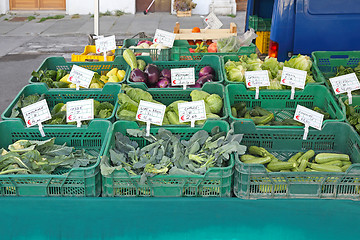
200	47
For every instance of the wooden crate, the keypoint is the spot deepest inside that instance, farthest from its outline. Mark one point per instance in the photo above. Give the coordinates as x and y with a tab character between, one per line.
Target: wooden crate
204	34
183	13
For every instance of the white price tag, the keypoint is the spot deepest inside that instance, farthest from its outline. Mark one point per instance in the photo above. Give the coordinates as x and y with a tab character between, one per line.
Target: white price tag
308	117
345	84
294	78
80	76
150	112
77	111
192	111
36	113
165	38
105	44
212	21
182	76
256	79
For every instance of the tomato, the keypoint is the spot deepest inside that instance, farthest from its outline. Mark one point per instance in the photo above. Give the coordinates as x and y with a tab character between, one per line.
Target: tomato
212	47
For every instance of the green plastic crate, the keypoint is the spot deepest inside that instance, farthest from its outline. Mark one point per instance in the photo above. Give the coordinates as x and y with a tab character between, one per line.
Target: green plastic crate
182	53
212	61
325	64
165	97
155	54
77	182
252	181
215	183
224	59
281	105
56	63
54	96
259	23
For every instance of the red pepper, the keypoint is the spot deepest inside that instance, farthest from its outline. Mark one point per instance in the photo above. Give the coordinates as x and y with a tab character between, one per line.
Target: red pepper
191	50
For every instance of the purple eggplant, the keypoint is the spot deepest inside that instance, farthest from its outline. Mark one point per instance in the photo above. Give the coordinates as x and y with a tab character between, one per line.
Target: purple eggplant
137	75
204	79
166	73
153	74
206	71
163	82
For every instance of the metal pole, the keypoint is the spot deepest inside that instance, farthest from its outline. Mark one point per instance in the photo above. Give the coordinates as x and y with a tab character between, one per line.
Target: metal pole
96	18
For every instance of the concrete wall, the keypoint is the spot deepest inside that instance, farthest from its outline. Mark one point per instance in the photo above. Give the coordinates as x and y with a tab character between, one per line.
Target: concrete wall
87	6
4	6
201	8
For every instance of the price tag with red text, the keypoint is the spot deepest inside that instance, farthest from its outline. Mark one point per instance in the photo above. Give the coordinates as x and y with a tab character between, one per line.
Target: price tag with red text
182	76
36	113
80	76
308	117
151	113
257	79
165	38
105	44
345	84
192	111
212	21
77	111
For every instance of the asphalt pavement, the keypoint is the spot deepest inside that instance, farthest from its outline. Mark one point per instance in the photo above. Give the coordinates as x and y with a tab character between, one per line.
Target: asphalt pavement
25	44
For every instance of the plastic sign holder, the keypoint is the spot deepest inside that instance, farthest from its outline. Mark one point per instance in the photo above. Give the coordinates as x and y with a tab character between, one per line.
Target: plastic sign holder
294	78
257	79
35	114
80	76
105	44
192	111
150	113
308	117
182	77
77	111
165	38
345	84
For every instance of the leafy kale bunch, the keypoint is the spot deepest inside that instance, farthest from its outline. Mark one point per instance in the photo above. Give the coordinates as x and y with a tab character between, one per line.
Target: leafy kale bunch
166	153
41	157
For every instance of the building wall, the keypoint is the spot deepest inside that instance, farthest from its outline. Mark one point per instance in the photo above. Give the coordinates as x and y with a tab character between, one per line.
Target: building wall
87	6
4	6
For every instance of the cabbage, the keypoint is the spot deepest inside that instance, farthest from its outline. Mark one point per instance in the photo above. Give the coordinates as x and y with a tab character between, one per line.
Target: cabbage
300	62
272	65
237	74
214	102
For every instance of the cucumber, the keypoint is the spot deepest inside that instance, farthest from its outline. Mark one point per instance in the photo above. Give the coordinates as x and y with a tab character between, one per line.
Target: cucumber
328	157
325	168
295	157
345	167
335	163
285	170
247	157
277	166
259	160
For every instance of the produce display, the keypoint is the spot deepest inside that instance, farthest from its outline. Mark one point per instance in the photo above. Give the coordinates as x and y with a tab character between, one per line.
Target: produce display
235	70
154	77
58	112
347	70
299	162
263	117
167	154
59	78
146	44
42	157
130	98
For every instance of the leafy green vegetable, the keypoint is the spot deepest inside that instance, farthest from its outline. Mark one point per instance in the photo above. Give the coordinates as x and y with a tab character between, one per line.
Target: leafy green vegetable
42	157
300	62
167	154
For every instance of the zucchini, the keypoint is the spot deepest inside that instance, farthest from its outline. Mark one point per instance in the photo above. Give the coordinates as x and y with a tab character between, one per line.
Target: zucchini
247	157
335	163
254	150
328	157
262	111
259	160
295	157
310	170
345	167
234	112
277	166
325	168
309	154
285	170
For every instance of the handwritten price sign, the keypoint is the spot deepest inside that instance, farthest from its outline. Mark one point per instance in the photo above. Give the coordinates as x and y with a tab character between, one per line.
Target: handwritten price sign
165	38
36	113
105	44
308	117
192	111
80	110
212	21
80	76
182	76
150	112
